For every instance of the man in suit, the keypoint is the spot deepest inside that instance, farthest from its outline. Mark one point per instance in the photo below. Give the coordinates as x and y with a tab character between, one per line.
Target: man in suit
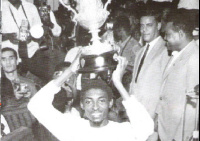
128	46
150	63
180	77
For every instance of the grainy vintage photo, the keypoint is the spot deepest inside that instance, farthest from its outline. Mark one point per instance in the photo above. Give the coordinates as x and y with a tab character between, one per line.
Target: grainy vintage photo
99	70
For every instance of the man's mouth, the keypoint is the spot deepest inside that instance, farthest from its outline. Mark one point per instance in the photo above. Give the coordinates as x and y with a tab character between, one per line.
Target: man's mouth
96	114
146	34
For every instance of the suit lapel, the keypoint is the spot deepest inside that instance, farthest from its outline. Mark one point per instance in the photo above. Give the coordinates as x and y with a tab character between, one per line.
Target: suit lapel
157	49
137	61
182	58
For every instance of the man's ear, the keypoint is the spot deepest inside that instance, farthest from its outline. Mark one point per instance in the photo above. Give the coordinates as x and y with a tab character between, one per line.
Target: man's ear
81	104
159	26
111	104
181	34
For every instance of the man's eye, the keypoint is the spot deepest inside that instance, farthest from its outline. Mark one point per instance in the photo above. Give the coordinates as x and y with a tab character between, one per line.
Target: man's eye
88	102
102	101
12	58
150	25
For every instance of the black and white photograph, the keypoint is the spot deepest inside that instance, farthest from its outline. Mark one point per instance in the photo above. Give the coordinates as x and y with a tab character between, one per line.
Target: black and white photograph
99	70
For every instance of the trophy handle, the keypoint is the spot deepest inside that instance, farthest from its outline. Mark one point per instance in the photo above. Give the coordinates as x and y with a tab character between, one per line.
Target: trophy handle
70	9
107	3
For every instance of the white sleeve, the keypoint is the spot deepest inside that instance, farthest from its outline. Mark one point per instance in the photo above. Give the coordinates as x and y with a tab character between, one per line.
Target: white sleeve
141	122
57	29
71	54
57	123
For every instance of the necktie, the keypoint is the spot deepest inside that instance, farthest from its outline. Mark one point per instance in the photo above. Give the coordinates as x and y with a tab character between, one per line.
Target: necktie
142	62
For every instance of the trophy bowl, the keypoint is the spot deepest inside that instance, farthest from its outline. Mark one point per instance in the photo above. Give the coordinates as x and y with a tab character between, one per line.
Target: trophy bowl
92	21
97	63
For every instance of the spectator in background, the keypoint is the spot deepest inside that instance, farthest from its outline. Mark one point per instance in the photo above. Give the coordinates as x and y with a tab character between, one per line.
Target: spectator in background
180	77
128	45
50	25
63	17
21	86
65	99
13	13
150	62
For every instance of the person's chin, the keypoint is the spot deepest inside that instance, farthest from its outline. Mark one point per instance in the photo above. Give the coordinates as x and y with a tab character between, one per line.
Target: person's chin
146	39
97	119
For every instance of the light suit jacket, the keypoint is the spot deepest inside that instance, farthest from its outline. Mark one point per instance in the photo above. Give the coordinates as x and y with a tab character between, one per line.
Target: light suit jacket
181	77
147	88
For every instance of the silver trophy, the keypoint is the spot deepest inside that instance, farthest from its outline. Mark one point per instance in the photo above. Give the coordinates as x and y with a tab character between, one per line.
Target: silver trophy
91	15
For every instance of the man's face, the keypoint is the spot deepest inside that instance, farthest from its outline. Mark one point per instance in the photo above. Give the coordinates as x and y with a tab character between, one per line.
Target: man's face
8	62
96	105
149	28
118	34
172	38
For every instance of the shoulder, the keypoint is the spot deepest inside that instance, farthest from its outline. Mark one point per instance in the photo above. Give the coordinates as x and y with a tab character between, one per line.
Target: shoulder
29	5
5	5
194	58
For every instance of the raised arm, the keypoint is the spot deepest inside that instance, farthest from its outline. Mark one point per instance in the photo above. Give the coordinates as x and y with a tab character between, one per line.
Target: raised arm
142	123
41	107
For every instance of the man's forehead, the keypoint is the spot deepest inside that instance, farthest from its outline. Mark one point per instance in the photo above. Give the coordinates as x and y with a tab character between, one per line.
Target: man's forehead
169	27
148	19
95	94
7	54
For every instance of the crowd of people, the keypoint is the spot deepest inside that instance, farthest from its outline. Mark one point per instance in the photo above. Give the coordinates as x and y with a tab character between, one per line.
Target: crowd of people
158	69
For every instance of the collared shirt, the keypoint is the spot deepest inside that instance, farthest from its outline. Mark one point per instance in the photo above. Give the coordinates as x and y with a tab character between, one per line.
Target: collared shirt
176	55
9	25
72	128
189	4
151	46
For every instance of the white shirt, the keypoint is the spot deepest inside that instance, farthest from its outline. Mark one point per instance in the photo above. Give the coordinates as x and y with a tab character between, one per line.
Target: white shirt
72	128
57	29
9	26
189	4
151	46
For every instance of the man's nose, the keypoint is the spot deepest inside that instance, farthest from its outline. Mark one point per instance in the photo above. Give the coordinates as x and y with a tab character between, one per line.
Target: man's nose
95	106
8	61
144	29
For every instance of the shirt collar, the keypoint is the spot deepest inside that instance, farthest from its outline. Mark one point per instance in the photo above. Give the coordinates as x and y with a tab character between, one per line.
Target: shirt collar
152	43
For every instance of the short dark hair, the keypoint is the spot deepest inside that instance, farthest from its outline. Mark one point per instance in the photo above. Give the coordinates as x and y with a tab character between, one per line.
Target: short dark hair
62	66
152	12
123	22
181	22
10	49
96	84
